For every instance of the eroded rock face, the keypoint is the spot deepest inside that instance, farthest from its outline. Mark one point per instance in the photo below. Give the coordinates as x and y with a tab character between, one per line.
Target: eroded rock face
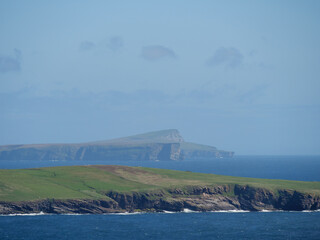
255	199
293	200
197	198
59	206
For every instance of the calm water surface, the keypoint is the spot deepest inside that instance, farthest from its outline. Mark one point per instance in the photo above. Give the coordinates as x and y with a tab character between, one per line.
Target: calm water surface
303	168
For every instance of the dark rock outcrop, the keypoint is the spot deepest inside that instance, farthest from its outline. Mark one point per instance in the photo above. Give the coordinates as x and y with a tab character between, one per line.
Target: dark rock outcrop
59	206
293	200
197	198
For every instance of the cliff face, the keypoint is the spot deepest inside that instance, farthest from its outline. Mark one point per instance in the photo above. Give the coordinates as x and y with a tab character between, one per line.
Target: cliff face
195	198
162	145
74	152
193	151
202	154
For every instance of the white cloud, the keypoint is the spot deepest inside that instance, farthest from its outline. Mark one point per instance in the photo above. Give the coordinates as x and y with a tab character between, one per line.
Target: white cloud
11	63
86	46
115	43
229	57
156	52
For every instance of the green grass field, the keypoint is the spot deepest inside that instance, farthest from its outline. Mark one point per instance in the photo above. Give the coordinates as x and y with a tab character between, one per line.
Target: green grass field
83	182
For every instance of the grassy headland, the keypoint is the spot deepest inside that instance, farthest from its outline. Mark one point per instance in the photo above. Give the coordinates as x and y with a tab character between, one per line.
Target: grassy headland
92	182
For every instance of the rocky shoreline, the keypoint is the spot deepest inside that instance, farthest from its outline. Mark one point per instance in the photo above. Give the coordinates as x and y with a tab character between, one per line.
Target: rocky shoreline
195	198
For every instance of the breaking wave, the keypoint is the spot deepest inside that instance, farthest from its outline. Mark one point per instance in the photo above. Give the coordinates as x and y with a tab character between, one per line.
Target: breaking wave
230	211
27	214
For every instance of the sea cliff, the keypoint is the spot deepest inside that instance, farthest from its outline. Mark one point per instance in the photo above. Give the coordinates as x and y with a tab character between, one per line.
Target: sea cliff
113	189
196	198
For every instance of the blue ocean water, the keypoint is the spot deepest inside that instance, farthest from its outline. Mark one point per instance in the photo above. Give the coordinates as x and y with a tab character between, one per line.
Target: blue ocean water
251	225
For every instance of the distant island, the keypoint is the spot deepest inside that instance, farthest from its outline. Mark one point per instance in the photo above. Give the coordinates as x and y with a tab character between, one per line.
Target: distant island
166	145
98	189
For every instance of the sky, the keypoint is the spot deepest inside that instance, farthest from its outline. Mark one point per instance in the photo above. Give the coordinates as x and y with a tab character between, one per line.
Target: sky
239	75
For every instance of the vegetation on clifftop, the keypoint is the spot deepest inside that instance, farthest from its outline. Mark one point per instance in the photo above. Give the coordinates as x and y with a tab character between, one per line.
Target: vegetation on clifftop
93	182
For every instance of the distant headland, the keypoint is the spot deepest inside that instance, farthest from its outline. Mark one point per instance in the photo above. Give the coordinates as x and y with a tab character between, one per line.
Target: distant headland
165	145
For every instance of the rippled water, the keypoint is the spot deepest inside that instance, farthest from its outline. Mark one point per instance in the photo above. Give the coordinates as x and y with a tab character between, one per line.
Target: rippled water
252	225
303	168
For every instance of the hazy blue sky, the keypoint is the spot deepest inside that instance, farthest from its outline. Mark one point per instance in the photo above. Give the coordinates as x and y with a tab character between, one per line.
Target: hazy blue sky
239	75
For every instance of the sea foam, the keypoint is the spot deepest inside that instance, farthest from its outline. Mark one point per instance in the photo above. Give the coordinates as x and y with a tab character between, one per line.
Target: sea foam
187	210
230	211
28	214
126	213
164	211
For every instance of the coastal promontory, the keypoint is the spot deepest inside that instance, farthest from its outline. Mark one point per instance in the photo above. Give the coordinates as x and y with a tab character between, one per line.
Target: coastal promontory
165	145
98	189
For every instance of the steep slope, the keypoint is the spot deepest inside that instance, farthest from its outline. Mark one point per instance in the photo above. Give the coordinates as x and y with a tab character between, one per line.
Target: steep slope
166	145
102	189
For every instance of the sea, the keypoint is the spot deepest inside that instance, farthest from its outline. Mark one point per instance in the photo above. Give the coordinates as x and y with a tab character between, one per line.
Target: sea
182	225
